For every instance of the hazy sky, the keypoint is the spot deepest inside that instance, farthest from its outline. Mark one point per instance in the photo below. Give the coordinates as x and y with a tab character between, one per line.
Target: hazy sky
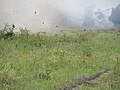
22	12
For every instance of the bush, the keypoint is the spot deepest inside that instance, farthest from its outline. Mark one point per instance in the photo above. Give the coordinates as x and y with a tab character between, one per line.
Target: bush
7	31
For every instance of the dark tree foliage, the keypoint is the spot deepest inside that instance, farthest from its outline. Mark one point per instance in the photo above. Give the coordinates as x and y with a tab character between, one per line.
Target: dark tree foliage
115	16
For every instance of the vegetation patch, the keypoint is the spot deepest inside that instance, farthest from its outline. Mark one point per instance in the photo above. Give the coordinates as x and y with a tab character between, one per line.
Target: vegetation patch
45	61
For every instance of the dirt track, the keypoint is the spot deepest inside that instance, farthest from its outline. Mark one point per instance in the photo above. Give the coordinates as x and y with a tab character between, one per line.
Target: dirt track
77	83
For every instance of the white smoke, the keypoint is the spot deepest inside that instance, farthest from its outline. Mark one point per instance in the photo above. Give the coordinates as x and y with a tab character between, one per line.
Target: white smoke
30	13
60	13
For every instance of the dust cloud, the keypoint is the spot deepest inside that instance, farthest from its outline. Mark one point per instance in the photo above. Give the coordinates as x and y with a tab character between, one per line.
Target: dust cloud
37	14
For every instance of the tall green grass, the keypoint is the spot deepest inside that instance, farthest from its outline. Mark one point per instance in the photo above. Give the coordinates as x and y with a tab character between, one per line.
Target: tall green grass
44	62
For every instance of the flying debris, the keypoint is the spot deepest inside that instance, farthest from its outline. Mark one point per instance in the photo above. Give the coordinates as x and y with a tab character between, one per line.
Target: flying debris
115	16
13	26
35	12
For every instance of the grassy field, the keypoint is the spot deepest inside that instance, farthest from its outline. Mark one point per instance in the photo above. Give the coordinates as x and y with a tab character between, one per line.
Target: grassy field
44	62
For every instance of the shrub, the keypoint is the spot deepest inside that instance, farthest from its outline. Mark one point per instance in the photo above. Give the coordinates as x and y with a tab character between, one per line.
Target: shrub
7	31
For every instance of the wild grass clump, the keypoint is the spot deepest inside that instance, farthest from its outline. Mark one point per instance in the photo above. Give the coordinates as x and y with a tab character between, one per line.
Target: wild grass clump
115	76
8	76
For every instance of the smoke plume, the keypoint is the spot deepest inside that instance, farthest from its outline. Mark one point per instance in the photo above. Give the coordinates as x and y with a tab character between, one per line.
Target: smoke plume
36	14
